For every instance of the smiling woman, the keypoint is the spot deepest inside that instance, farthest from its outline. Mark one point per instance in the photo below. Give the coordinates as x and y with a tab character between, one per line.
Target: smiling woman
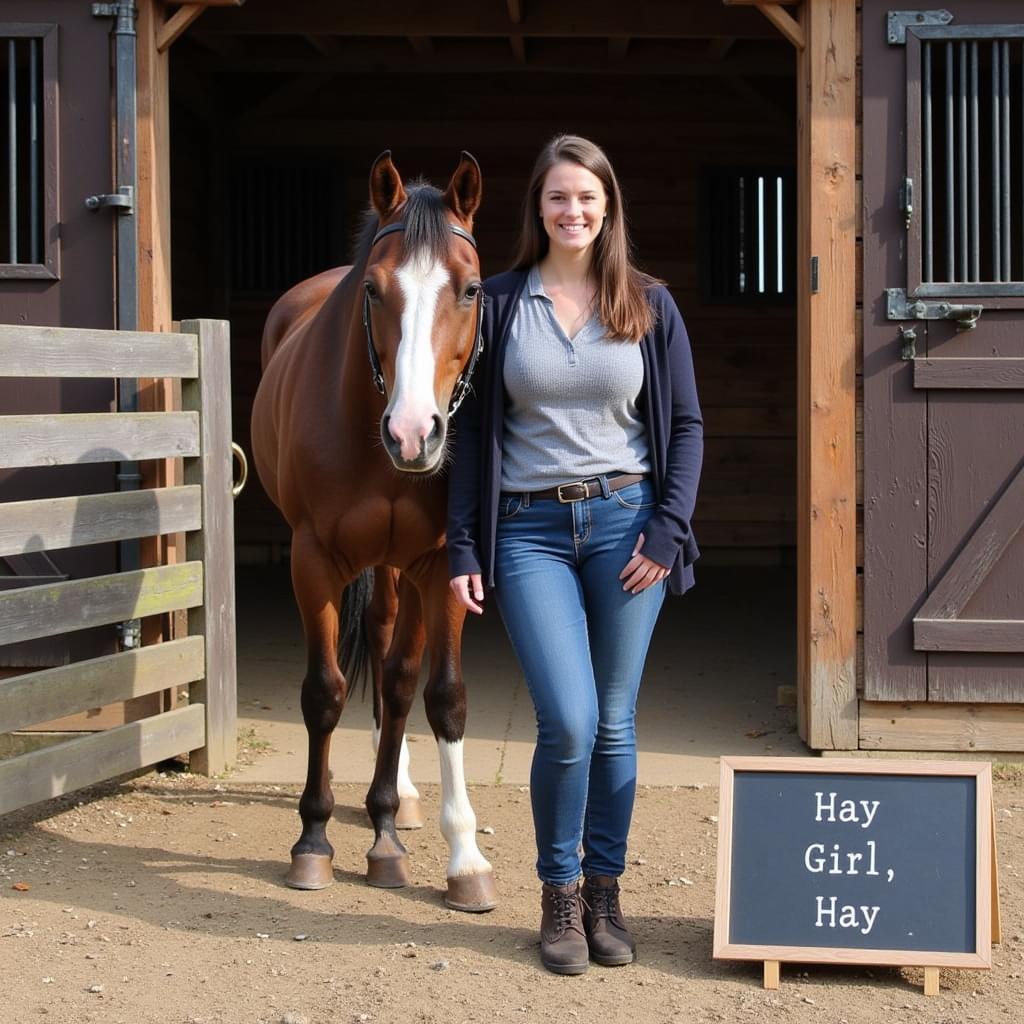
572	488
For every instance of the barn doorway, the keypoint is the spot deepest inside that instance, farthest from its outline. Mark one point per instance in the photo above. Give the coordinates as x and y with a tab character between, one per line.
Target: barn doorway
697	110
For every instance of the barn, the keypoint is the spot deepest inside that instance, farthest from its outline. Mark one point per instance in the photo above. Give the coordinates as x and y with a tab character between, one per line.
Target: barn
833	192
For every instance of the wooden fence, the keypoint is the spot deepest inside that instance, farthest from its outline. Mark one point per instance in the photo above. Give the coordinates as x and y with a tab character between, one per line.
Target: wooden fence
204	584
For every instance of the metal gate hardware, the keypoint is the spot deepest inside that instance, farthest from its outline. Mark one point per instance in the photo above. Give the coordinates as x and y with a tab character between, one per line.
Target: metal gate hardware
908	343
898	22
243	464
814	275
897	308
907	200
123	200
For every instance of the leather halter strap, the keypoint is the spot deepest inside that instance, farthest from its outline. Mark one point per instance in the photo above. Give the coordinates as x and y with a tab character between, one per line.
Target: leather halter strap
461	388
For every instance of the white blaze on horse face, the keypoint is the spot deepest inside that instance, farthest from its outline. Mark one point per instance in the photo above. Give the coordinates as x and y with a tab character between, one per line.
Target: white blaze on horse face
413	406
458	822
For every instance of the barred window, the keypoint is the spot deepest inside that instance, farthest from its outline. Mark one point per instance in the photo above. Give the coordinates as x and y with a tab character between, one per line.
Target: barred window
964	194
280	225
28	216
748	231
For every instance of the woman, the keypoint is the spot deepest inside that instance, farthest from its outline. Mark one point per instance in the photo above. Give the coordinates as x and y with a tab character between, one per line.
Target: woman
571	492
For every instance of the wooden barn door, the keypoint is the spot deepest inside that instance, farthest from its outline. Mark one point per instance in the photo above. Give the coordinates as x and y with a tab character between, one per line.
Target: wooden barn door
56	263
944	353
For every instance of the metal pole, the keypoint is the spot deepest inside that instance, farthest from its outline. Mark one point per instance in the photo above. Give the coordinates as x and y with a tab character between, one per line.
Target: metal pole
128	476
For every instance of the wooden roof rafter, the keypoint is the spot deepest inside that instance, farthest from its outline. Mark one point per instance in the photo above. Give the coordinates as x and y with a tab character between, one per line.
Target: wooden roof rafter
777	14
180	20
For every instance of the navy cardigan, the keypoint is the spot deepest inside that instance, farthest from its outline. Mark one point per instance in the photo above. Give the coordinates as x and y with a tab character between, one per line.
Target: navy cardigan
675	433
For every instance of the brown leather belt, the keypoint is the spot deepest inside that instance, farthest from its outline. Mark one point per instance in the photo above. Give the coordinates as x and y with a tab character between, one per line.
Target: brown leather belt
581	490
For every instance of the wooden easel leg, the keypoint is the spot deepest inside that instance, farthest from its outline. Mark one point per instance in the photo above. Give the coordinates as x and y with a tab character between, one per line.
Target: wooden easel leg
771	973
997	923
931	981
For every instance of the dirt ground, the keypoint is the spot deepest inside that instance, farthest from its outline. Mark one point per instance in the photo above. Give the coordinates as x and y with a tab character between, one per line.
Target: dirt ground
161	900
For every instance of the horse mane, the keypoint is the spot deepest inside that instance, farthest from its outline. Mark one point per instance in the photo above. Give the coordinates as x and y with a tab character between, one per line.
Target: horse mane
425	216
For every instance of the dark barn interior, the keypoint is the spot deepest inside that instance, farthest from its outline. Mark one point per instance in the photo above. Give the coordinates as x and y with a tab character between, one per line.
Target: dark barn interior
278	111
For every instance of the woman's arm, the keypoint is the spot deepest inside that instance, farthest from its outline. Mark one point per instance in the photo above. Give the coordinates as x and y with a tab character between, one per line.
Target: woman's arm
667	532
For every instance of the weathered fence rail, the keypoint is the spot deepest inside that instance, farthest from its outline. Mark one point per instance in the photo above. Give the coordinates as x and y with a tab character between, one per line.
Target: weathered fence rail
204	584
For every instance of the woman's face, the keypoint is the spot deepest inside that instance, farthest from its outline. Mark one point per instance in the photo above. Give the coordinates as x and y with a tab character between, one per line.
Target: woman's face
572	207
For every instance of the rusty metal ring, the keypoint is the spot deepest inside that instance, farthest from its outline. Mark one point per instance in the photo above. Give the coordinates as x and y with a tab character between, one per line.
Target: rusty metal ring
243	462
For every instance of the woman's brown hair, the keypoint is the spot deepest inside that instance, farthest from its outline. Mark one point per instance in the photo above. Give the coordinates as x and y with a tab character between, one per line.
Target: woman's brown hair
622	303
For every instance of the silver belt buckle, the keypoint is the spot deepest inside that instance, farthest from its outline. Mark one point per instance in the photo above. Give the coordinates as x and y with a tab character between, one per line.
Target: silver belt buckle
575	483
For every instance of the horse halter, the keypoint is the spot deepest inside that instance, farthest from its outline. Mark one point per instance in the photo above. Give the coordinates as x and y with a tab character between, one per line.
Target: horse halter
461	388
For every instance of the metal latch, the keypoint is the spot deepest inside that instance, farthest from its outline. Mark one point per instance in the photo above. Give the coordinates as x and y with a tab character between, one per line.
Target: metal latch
123	200
907	200
897	308
908	343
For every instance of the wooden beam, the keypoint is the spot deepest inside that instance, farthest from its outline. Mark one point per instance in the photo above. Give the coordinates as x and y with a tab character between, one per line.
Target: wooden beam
515	11
327	46
681	19
284	100
176	24
618	48
784	22
365	62
826	377
518	45
718	48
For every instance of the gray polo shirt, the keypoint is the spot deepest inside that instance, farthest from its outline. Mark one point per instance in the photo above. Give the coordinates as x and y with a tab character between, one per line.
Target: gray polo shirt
570	403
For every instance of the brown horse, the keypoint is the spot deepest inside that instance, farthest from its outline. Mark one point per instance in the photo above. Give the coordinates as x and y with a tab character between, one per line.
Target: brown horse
361	367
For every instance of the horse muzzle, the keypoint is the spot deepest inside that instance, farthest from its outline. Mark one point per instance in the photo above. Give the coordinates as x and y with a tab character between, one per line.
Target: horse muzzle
414	449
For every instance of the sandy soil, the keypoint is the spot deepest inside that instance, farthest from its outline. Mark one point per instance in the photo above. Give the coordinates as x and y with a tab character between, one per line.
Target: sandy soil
160	900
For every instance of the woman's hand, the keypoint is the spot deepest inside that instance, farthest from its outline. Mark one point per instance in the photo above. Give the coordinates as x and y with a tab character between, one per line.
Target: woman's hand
468	588
640	572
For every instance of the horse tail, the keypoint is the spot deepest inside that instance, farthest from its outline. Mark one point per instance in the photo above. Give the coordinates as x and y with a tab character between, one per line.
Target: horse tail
354	637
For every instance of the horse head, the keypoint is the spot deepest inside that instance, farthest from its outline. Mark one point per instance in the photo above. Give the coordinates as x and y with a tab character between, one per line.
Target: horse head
423	306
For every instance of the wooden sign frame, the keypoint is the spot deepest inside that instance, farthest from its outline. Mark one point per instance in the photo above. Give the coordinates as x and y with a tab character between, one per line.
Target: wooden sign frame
987	926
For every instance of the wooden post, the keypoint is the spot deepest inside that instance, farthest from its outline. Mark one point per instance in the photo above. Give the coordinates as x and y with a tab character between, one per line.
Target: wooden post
771	974
826	376
214	544
931	981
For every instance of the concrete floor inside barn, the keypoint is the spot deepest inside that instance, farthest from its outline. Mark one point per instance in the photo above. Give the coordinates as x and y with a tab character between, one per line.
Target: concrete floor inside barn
718	656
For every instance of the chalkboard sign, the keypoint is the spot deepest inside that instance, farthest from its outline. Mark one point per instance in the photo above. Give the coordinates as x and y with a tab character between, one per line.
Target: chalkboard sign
855	861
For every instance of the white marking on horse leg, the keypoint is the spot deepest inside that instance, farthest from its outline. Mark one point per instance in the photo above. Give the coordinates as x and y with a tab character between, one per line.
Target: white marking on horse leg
406	788
458	822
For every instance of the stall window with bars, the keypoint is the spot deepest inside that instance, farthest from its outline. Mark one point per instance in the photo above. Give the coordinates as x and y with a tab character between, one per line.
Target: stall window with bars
28	214
747	234
964	143
281	220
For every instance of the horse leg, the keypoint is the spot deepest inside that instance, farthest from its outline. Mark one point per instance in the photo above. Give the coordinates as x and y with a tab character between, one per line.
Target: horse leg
318	586
387	861
470	877
381	626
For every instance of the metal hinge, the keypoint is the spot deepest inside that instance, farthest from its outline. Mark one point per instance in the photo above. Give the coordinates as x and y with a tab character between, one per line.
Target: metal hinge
898	22
907	200
123	200
897	308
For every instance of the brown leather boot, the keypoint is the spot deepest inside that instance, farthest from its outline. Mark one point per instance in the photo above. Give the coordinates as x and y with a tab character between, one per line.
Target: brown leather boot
611	945
563	946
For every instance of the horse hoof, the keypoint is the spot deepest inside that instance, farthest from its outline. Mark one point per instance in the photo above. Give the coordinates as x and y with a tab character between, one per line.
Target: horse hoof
474	894
309	871
387	864
410	814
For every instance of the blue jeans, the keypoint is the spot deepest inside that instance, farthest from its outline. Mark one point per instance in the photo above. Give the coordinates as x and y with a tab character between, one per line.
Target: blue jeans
581	641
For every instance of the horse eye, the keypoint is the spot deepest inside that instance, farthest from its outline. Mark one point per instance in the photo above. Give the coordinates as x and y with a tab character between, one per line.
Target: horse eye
371	290
472	291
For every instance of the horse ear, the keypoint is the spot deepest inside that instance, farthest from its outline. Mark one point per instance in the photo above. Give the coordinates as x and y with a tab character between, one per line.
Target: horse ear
466	187
386	191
